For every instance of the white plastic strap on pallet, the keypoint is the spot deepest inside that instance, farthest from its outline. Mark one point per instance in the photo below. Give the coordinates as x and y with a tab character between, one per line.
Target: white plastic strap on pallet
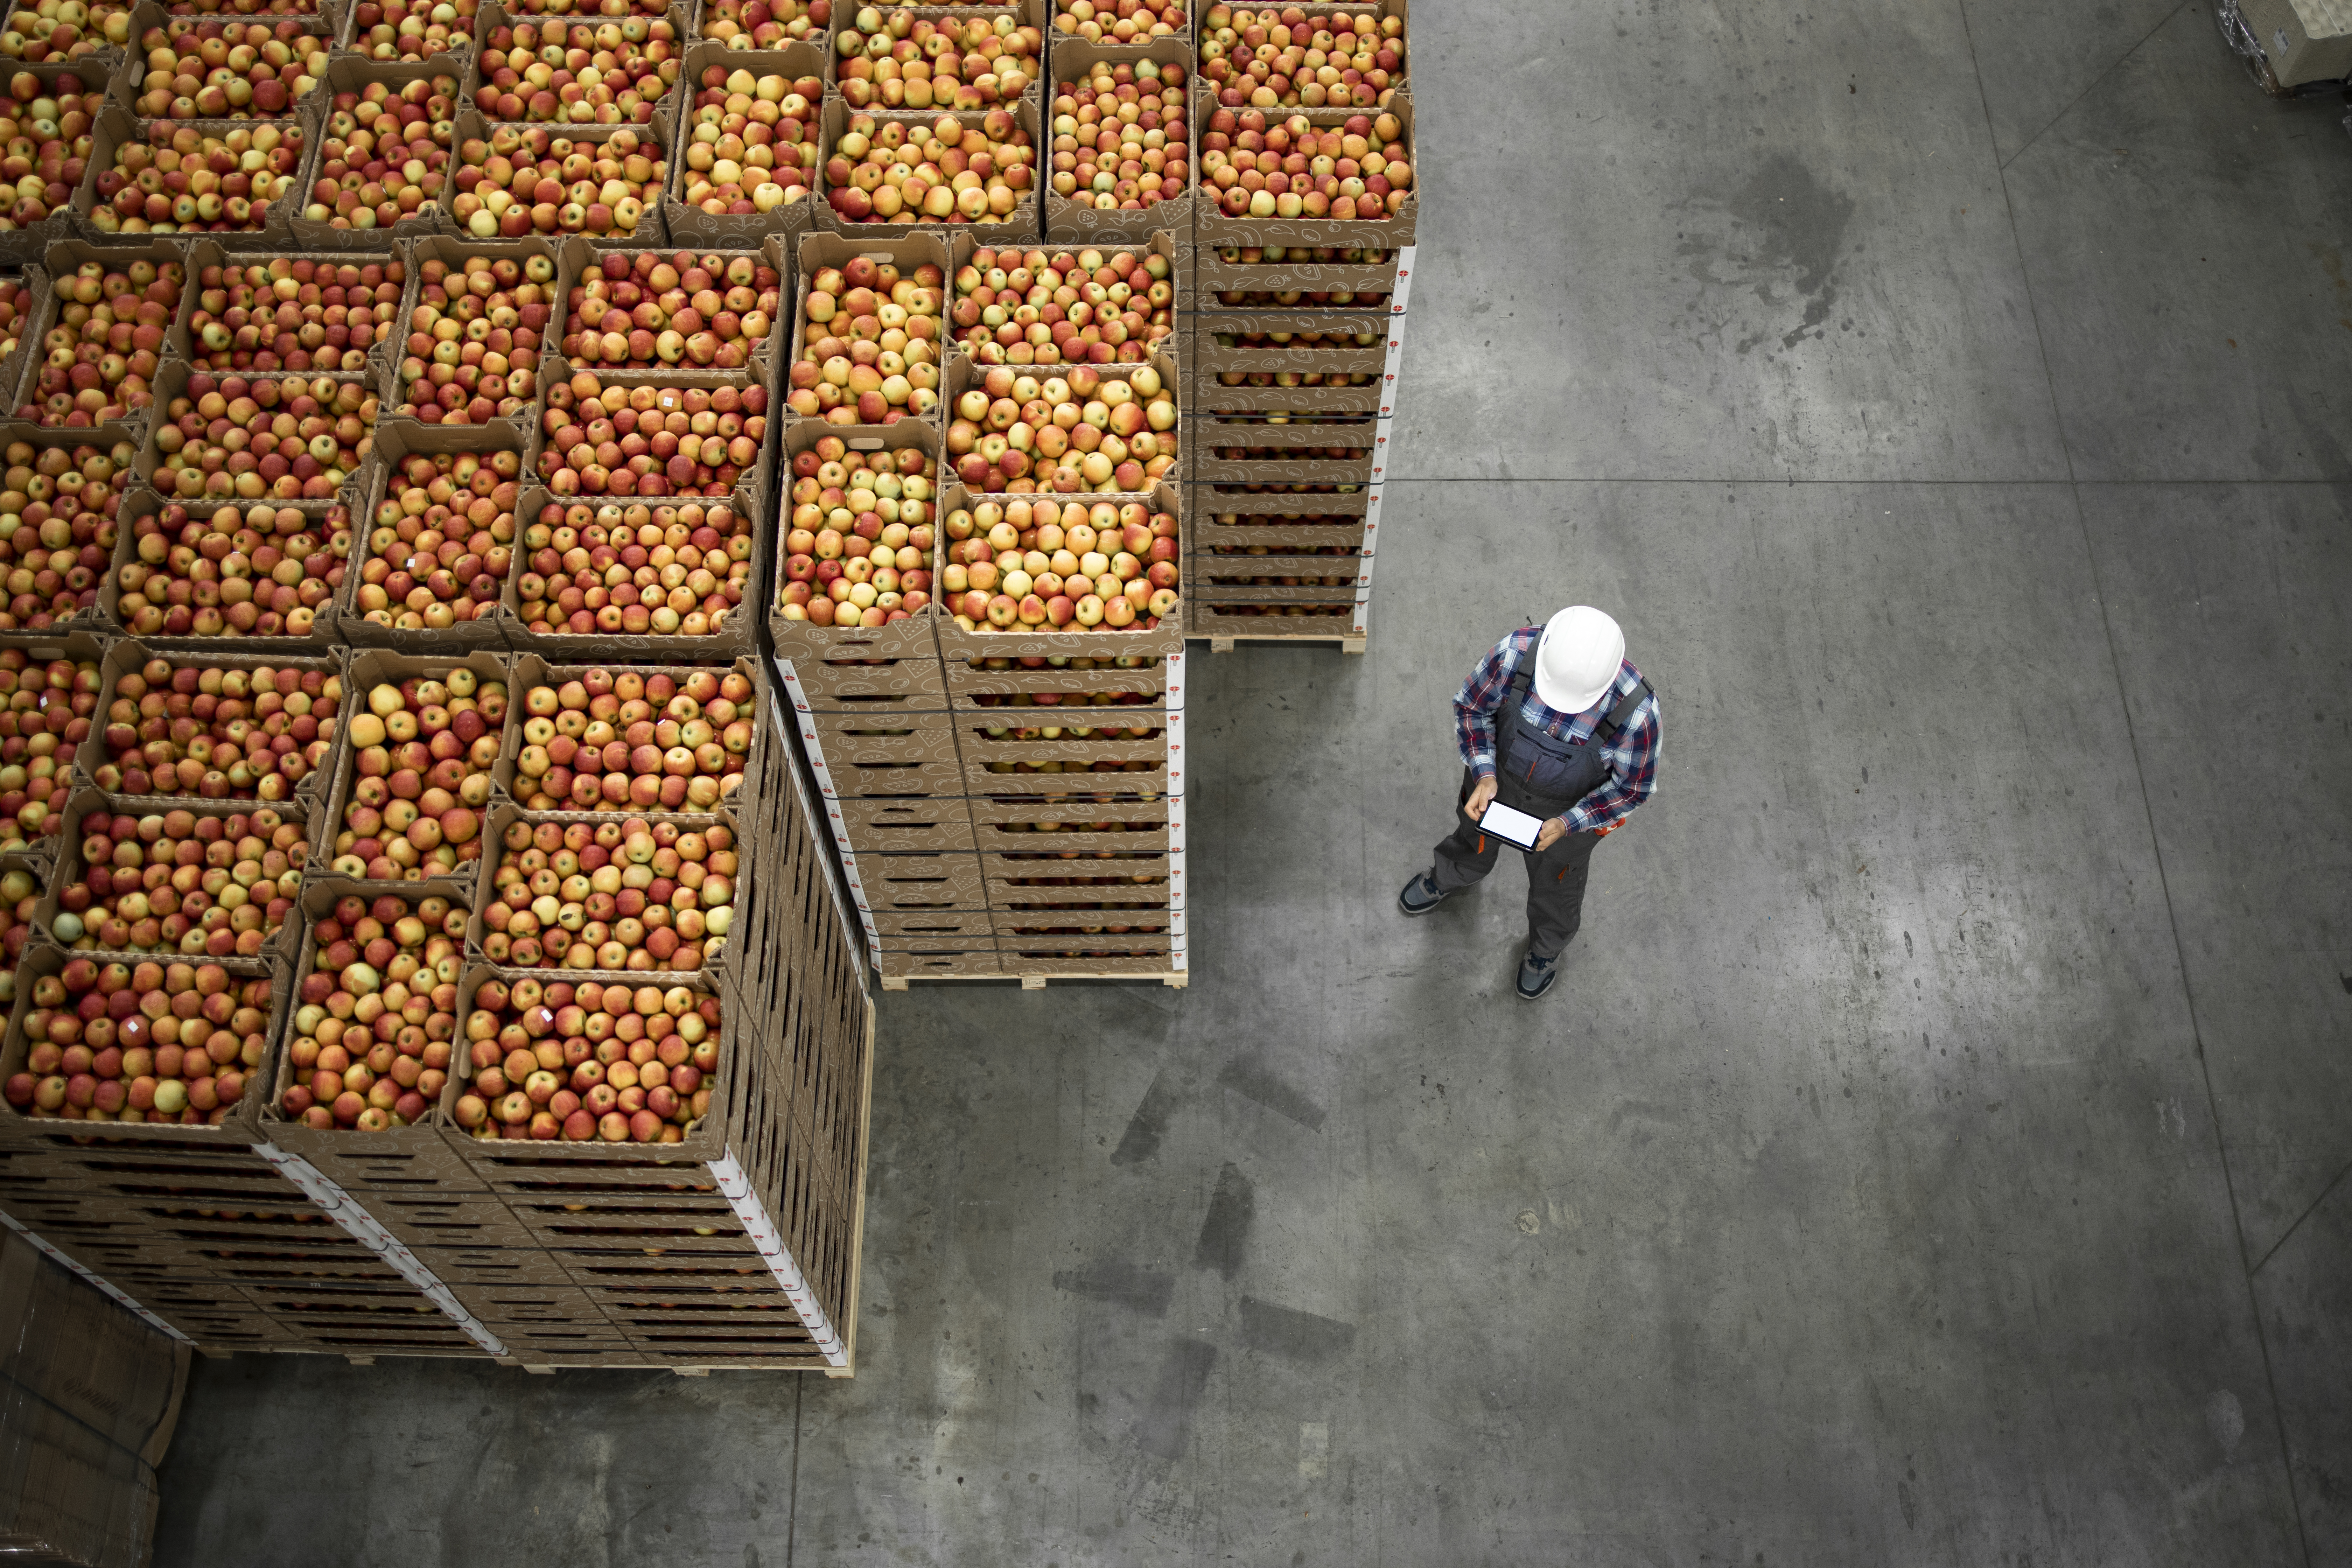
804	718
778	1257
814	812
364	1228
1403	289
12	1222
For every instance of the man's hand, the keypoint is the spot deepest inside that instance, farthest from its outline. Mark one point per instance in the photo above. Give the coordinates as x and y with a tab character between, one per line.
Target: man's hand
1482	796
1553	832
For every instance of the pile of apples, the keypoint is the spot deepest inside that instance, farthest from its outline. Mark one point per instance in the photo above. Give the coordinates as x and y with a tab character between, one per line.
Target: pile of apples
184	180
1120	141
1103	307
101	355
667	571
422	752
766	24
51	32
183	727
1082	432
647	897
385	153
609	72
52	135
650	440
1119	21
412	29
20	895
15	302
858	548
1049	565
46	717
256	572
973	170
899	59
1282	58
530	180
869	344
224	70
374	1018
442	540
455	374
675	312
1358	170
294	313
588	1062
631	740
141	1043
201	885
56	529
280	439
751	142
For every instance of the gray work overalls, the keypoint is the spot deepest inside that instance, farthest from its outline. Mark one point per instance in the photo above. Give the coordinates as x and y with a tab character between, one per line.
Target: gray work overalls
1542	774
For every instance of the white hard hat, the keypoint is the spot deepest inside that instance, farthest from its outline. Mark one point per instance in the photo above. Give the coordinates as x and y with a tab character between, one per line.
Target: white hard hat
1578	659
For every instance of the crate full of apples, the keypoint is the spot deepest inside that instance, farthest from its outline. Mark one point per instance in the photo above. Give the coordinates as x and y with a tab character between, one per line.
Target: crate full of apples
262	313
630	738
857	542
432	564
751	133
472	330
896	172
1289	56
646	895
183	878
294	439
108	317
53	121
603	181
421	740
58	501
215	727
869	327
1307	177
1122	149
952	57
387	145
1069	305
689	316
46	711
228	570
193	177
634	580
1054	575
1081	430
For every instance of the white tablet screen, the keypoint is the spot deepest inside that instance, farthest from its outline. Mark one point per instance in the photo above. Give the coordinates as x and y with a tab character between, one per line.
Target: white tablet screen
1512	827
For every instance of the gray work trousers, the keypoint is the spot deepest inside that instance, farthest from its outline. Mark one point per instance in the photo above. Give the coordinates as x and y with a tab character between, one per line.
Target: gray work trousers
1555	875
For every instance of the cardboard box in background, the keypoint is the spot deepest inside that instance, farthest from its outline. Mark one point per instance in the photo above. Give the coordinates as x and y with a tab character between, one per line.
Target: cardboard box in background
88	1398
2304	40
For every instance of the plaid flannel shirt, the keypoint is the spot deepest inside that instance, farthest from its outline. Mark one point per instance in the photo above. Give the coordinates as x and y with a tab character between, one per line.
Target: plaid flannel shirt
1633	759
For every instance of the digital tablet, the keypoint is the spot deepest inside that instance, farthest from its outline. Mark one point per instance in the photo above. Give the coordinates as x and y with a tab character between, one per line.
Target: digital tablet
1512	827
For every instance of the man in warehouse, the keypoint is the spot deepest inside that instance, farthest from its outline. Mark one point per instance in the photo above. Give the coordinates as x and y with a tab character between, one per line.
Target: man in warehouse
1560	741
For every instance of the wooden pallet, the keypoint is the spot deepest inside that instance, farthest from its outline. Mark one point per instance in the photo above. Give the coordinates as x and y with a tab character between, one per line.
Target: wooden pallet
1349	644
1176	978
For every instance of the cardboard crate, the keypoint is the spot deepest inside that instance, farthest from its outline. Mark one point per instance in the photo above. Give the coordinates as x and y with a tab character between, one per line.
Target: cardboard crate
1212	229
130	654
977	679
1344	623
1315	585
533	671
396	441
579	255
472	125
966	375
1206	356
1034	14
814	252
1384	9
925	880
813	684
354	73
803	437
2300	42
452	251
897	966
734	635
61	260
689	224
890	827
1017	227
1072	221
68	872
377	666
959	647
171	381
92	74
141	500
1252	391
1233	269
115	126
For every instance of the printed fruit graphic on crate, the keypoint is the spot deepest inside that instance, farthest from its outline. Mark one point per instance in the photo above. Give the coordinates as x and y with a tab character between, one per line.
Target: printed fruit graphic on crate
458	373
1090	306
1257	165
374	1018
1078	431
1119	137
766	24
588	1062
57	529
412	29
294	312
893	57
904	171
52	135
384	153
676	310
636	896
284	438
751	142
99	359
650	440
50	32
1029	564
141	1042
46	715
869	341
179	726
663	569
527	179
858	548
261	570
181	179
442	540
422	752
1283	57
631	741
201	884
608	72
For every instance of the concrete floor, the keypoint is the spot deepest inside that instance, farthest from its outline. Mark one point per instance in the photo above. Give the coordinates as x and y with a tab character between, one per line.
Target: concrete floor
1934	1151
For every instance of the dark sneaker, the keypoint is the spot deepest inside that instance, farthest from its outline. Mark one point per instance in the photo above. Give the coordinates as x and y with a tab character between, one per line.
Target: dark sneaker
1536	975
1419	895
